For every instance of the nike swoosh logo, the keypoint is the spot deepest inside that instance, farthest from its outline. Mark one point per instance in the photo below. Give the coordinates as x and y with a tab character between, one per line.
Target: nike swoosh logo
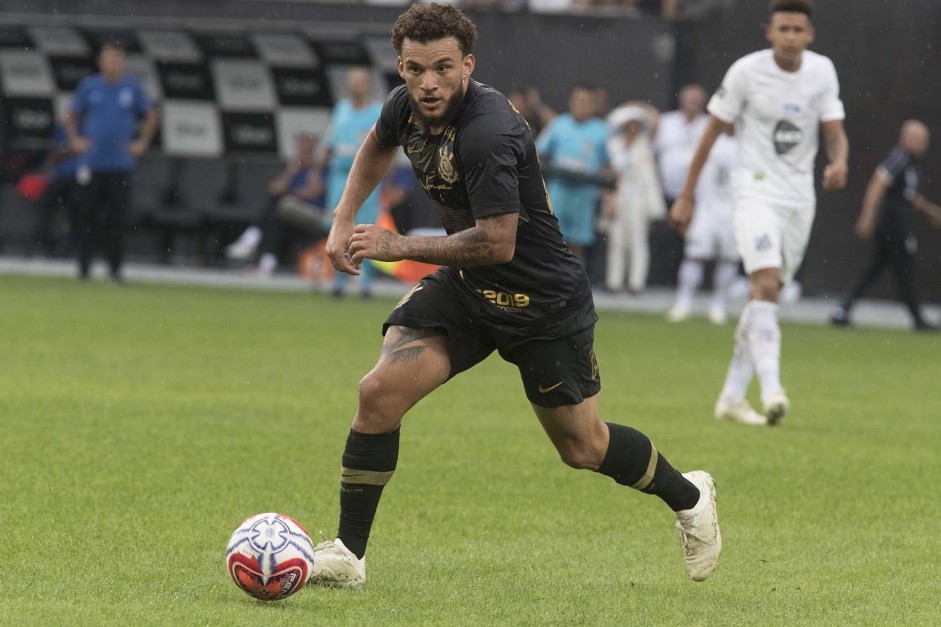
543	390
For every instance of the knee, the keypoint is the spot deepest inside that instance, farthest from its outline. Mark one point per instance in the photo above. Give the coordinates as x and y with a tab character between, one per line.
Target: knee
581	455
765	287
377	406
372	390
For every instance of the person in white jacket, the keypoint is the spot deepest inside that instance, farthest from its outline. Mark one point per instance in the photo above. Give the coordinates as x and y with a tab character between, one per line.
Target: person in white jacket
637	200
710	236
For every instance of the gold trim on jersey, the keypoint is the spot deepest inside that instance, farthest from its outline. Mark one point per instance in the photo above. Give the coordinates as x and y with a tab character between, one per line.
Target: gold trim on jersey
408	295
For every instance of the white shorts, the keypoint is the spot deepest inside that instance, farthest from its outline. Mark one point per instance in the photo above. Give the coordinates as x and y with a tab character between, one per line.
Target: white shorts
711	235
772	235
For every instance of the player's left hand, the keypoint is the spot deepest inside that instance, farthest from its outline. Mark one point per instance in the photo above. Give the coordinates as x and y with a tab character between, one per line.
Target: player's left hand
834	176
373	242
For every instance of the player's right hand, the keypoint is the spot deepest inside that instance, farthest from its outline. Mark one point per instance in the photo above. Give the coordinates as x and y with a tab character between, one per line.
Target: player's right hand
338	246
681	213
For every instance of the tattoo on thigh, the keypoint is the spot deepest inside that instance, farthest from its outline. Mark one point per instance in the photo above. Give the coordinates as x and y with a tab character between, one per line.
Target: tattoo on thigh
399	347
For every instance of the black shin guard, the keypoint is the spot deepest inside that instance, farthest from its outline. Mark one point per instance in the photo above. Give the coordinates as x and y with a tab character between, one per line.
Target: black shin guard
368	463
632	460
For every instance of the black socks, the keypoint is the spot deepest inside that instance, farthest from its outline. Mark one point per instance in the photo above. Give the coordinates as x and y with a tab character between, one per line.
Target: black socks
632	460
368	463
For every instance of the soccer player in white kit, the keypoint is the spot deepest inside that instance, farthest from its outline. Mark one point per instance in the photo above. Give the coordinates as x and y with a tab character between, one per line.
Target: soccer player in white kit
776	100
710	236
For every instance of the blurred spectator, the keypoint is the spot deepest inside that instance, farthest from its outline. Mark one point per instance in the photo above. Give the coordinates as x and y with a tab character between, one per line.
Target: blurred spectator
668	9
710	237
353	118
678	134
410	207
105	128
612	5
296	205
887	217
59	194
638	198
536	113
602	102
573	152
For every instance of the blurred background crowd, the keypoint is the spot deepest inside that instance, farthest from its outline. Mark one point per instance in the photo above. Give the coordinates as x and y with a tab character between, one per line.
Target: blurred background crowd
240	121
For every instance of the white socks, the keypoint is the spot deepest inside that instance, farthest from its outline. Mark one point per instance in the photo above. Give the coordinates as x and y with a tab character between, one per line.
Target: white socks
741	367
688	281
757	350
764	341
722	278
690	278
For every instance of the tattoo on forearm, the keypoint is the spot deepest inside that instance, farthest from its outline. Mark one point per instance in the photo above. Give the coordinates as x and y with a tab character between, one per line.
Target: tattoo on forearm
384	244
471	247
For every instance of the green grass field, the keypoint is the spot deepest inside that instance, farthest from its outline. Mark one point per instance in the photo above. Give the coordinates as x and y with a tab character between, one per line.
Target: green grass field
141	424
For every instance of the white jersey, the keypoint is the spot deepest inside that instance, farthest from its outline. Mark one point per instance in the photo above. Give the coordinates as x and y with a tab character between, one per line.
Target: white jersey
714	189
675	144
777	116
711	235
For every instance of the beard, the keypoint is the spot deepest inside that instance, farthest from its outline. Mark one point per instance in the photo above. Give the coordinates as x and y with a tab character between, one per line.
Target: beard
450	109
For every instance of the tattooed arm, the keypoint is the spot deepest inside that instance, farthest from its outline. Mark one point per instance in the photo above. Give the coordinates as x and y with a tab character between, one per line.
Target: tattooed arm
491	241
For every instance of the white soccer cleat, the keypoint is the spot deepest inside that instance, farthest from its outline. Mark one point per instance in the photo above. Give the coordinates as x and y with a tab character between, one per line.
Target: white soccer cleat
717	316
777	407
678	314
739	411
699	528
335	566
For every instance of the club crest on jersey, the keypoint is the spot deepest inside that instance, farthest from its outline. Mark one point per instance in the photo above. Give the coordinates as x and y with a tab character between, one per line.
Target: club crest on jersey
785	137
446	170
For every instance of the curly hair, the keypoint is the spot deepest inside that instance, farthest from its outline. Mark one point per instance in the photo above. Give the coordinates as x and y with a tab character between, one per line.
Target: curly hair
429	22
792	6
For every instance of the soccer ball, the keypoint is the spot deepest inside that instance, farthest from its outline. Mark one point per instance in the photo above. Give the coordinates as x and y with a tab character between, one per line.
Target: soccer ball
270	556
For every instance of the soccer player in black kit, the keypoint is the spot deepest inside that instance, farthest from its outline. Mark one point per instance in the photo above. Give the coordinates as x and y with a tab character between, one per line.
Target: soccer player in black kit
888	217
508	283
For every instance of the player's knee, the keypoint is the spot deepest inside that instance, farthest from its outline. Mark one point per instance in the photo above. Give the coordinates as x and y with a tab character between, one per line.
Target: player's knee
580	455
375	403
765	287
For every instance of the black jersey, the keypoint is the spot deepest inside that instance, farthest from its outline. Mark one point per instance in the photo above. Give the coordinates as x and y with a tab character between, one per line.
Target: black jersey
898	208
483	164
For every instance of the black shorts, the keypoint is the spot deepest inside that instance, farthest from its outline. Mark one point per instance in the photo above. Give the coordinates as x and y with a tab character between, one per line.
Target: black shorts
556	359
